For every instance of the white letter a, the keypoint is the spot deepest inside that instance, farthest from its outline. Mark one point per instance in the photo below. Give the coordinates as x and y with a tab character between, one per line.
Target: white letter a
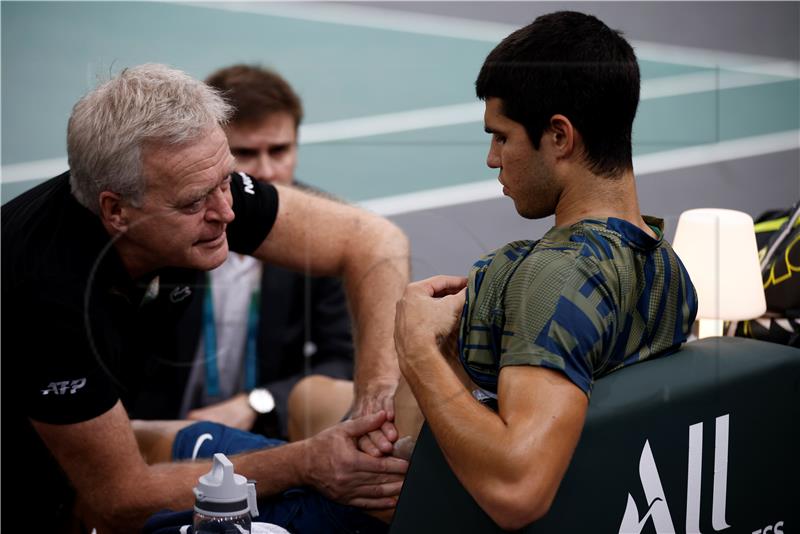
657	501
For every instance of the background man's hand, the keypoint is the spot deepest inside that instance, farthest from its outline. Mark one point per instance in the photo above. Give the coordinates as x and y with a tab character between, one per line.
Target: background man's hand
428	316
343	473
235	412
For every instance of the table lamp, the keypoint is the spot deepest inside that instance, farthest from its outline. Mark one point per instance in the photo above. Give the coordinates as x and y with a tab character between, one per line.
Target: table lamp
718	248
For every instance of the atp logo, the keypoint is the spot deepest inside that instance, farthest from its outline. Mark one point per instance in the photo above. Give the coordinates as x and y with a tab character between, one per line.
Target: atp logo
64	386
657	507
249	188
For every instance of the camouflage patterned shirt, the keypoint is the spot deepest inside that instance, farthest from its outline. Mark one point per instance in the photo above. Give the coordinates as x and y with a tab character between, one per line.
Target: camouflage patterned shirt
586	300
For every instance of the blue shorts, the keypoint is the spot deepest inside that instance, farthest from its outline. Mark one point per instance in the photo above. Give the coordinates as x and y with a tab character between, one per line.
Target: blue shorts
210	438
298	510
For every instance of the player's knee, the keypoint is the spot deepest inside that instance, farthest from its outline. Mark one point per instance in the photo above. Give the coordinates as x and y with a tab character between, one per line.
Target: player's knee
307	389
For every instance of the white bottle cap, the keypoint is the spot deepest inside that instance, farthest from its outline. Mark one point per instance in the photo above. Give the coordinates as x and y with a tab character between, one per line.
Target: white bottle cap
221	492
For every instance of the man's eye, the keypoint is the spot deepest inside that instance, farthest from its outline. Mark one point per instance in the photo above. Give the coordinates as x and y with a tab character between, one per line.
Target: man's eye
499	139
243	153
278	150
194	207
226	184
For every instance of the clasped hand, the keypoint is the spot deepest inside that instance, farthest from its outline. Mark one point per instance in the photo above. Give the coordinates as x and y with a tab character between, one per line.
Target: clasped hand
340	471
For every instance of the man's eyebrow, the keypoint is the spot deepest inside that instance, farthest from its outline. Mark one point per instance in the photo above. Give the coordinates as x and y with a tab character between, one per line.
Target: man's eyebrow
198	195
488	130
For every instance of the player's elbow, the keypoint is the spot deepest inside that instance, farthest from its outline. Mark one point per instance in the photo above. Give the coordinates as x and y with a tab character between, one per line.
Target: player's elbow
518	504
515	512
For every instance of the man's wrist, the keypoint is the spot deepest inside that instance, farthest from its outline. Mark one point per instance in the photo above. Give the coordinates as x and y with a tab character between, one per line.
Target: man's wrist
423	361
303	467
375	386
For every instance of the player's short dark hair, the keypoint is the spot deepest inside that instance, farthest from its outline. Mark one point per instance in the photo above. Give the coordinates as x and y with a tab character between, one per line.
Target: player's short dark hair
571	64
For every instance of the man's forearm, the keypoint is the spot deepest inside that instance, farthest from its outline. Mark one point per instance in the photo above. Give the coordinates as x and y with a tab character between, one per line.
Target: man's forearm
369	252
511	461
463	427
126	505
475	441
274	470
375	277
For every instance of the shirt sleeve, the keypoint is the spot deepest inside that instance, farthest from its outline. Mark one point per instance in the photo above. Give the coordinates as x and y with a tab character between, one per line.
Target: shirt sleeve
61	377
255	205
561	317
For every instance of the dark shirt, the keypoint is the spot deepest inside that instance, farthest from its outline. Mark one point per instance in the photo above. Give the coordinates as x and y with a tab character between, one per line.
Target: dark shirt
78	333
303	328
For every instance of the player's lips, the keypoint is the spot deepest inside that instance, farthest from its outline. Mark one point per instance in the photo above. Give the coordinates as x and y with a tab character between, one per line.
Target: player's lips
505	189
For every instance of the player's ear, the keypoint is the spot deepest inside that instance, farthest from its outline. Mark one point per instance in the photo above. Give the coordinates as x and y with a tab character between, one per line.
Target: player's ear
561	135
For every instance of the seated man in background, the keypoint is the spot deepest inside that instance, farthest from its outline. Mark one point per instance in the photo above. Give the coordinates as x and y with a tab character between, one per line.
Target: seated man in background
541	320
258	328
98	266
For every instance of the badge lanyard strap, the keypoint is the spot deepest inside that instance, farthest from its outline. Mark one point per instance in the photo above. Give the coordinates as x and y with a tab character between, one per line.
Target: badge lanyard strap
210	342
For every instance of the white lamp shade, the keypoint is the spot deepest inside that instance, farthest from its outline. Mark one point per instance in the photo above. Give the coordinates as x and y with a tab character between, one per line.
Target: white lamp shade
718	248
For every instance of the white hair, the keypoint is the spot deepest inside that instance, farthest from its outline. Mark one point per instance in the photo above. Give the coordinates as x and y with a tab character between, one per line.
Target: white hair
109	125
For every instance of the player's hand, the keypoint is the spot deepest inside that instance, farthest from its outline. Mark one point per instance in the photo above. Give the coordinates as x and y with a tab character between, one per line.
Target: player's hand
427	318
339	470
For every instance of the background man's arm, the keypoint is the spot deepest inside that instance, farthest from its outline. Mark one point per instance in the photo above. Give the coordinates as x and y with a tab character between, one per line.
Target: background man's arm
101	459
511	462
324	237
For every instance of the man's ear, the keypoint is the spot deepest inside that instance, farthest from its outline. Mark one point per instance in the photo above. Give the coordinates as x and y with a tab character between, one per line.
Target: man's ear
112	212
562	136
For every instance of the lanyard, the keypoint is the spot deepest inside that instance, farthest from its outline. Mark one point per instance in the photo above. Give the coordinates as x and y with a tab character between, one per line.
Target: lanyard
210	342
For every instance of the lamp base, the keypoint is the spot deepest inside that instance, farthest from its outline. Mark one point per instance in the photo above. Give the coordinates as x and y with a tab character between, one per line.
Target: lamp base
709	328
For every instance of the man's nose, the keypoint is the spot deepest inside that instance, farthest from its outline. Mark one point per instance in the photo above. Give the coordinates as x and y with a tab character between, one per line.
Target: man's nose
493	159
219	208
264	168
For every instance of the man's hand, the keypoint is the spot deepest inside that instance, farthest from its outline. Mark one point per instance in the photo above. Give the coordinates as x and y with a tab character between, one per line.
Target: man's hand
341	472
235	412
427	316
377	395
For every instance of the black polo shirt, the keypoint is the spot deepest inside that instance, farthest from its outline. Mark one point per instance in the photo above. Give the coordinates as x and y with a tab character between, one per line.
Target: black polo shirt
78	333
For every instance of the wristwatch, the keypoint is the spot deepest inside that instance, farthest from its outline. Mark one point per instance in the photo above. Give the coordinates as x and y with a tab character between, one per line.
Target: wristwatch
261	401
267	421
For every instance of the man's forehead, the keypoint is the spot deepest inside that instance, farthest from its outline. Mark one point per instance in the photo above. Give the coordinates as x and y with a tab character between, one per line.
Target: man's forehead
189	166
493	116
494	105
276	127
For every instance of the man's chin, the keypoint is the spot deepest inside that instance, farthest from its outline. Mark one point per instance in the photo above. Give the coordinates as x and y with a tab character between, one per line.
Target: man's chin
208	260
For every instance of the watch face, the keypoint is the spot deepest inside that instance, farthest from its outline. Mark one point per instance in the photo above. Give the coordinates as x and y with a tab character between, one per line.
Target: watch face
261	400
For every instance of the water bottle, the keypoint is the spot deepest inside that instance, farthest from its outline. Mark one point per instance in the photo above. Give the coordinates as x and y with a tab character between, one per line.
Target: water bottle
224	501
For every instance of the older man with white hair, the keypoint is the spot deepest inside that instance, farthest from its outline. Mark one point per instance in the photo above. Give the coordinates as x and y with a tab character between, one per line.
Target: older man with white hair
98	265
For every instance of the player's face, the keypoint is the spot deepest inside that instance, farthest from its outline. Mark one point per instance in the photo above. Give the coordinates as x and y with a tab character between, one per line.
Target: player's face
525	173
267	150
186	206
